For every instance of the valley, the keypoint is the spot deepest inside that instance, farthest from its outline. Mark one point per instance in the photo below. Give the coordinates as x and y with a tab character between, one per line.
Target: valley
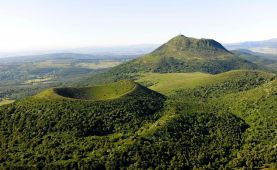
27	75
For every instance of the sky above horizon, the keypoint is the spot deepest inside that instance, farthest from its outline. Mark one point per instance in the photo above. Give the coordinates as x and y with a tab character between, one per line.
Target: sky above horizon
54	24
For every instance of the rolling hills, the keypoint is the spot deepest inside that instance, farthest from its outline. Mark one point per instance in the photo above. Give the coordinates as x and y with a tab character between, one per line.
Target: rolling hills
183	106
267	61
266	46
205	122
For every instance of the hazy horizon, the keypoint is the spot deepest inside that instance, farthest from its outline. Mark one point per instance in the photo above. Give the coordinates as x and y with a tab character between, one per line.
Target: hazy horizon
29	25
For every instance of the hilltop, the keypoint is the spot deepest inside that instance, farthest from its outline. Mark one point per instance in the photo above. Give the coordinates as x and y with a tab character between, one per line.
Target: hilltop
181	54
96	110
184	54
95	93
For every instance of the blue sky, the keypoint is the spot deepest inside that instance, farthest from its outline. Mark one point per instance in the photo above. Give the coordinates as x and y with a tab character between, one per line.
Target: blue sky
53	24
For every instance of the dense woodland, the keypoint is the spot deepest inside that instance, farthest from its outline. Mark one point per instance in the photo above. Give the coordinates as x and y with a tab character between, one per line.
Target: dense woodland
216	121
193	129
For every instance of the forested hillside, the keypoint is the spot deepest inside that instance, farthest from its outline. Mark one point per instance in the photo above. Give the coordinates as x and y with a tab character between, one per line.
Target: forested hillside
105	85
40	129
178	107
209	125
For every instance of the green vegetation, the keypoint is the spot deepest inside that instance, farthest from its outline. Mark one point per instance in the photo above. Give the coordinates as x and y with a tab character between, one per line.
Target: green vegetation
252	99
25	76
38	80
201	125
267	61
163	116
104	92
38	125
183	54
258	108
168	83
179	55
100	65
6	101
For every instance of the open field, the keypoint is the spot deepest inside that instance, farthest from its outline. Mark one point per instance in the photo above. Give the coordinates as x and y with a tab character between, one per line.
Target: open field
98	65
53	64
38	80
6	101
168	83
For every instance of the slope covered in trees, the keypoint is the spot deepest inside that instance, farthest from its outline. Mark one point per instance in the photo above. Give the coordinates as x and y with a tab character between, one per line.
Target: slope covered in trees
28	124
188	112
258	108
227	122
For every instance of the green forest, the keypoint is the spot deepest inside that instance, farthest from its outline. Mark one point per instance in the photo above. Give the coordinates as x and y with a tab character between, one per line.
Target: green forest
152	112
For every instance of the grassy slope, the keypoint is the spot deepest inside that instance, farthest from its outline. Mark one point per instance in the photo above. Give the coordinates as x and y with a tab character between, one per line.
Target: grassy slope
168	83
6	101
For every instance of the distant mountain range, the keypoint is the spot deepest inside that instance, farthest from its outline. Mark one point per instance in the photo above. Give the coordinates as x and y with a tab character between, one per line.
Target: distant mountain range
117	50
59	56
267	46
109	50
